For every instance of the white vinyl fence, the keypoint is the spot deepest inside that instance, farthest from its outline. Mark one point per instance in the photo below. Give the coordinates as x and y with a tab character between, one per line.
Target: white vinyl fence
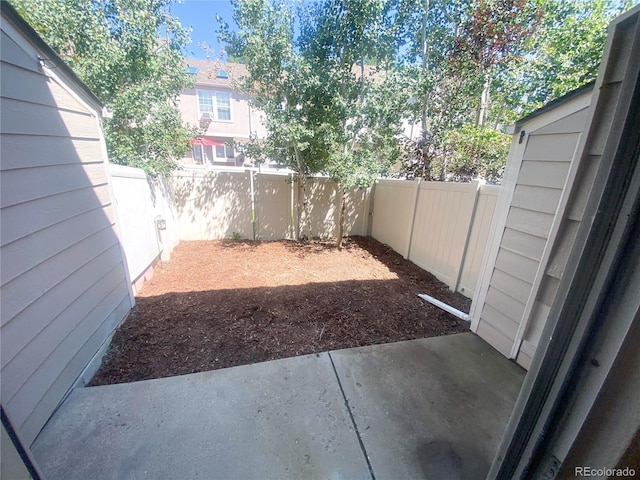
441	227
141	201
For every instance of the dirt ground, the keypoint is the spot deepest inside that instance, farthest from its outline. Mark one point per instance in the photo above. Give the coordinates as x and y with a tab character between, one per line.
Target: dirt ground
224	303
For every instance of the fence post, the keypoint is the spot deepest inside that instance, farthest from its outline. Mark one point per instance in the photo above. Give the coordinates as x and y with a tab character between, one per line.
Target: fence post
412	220
476	184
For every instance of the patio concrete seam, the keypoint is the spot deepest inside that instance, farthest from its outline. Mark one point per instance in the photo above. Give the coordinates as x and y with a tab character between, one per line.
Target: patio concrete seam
353	420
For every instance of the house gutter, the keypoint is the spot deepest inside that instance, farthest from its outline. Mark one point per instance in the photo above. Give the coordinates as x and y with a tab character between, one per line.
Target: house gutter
447	308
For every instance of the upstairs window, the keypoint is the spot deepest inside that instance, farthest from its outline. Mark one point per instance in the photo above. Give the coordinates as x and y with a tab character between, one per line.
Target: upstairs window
214	105
223	74
223	100
205	104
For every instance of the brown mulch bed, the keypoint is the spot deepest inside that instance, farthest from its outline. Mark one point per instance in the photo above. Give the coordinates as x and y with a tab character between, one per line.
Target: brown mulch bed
224	303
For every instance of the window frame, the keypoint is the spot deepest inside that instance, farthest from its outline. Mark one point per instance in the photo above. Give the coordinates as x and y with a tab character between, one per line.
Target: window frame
214	114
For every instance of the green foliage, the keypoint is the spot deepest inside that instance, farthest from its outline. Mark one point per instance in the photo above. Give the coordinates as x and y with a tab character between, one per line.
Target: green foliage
114	47
476	152
487	63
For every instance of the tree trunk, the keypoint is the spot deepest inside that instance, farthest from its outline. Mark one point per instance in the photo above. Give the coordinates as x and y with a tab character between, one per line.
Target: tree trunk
483	109
341	218
305	199
425	66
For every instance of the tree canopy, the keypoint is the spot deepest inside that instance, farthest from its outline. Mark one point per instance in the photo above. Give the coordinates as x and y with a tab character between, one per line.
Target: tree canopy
129	52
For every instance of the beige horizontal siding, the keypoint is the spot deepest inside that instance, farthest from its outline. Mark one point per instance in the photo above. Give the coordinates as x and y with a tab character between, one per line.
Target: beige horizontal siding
531	222
24	185
573	123
512	286
557	147
539	199
73	351
18	153
31	217
504	303
543	174
13	54
530	246
545	163
22	291
27	118
489	333
64	284
34	87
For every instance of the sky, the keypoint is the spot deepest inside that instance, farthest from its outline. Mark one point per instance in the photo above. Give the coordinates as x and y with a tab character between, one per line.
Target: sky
200	17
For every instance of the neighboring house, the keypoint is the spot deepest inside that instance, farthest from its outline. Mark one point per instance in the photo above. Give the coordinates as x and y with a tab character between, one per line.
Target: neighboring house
221	111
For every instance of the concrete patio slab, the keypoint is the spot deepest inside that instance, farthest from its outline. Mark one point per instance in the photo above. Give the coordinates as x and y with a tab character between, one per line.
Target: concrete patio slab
280	419
431	408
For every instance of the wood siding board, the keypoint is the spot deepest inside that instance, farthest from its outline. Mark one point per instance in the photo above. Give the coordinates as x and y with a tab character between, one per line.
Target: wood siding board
529	222
33	87
512	286
36	282
573	123
32	119
35	358
539	199
19	186
60	386
527	245
505	304
13	54
524	360
15	334
517	265
500	322
20	152
31	217
494	337
544	174
551	148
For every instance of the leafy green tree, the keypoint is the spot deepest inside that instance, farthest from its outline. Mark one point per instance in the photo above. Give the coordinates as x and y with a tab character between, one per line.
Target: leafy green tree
327	111
115	47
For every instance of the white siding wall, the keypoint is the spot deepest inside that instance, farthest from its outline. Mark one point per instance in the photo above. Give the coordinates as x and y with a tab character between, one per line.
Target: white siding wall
513	288
64	284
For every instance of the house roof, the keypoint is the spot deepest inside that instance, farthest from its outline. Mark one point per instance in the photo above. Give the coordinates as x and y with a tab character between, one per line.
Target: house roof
47	53
209	72
555	103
